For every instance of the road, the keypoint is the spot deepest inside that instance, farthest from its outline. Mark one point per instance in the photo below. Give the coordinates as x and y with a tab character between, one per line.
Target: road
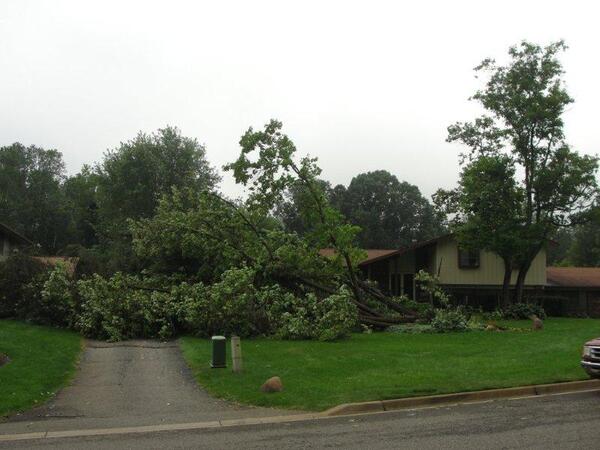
563	421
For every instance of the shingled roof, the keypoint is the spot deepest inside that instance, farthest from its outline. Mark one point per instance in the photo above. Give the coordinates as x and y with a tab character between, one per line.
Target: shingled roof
6	230
372	253
573	277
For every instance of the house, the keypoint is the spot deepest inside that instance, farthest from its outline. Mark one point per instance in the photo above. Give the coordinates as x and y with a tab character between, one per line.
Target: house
10	240
472	277
573	291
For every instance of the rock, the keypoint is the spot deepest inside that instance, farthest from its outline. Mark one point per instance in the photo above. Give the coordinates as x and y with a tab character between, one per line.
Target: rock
4	359
273	384
492	326
537	324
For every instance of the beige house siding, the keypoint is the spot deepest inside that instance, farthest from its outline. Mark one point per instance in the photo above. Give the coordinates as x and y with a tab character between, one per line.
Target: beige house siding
489	272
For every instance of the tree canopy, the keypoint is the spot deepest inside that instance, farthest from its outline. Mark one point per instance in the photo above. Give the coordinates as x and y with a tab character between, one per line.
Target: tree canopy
31	199
390	213
524	101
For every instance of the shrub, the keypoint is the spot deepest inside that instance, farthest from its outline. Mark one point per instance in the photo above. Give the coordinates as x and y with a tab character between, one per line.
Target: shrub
49	298
15	274
431	284
450	319
520	311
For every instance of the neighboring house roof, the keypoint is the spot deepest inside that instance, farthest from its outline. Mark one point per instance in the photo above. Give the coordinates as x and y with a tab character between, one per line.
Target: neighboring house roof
70	263
573	276
7	231
400	251
372	253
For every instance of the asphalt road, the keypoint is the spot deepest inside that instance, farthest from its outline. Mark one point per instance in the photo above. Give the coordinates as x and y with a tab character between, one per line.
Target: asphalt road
554	422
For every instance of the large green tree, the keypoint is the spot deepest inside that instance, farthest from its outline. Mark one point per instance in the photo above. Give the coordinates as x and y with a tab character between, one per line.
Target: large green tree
390	213
524	101
295	202
31	200
584	248
133	177
486	211
80	192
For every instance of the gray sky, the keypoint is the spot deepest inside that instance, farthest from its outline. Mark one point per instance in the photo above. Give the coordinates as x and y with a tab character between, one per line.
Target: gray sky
361	85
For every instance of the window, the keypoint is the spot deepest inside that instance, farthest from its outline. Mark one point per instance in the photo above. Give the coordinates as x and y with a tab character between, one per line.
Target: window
468	259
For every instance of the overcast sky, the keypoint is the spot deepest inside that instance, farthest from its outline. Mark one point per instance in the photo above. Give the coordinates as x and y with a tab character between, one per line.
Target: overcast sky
361	85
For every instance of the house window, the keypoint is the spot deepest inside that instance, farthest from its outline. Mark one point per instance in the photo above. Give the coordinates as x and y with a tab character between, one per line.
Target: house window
468	259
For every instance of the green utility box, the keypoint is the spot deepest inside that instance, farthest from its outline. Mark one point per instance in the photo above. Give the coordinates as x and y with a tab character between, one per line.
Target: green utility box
219	352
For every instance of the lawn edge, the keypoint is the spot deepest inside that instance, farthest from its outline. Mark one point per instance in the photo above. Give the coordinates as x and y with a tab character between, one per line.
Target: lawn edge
461	397
66	382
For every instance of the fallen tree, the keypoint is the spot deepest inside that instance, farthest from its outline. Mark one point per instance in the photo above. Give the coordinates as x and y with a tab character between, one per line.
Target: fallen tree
200	236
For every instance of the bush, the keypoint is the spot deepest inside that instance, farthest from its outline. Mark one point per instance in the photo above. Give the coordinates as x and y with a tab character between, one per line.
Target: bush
49	298
450	319
521	311
15	274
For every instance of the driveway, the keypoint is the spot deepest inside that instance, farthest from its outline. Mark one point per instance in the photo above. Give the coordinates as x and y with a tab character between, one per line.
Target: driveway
130	383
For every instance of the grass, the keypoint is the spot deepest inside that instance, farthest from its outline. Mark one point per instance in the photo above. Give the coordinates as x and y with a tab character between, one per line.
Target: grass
42	361
319	375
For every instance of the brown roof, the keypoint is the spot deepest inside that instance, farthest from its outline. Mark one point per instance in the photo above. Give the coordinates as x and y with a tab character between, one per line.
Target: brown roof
400	251
70	263
372	253
6	230
573	276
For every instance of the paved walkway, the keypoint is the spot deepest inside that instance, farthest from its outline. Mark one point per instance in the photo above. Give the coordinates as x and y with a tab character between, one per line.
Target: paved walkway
130	384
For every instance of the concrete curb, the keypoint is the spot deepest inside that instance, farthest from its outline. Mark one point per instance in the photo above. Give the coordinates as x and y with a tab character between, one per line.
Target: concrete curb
461	397
215	424
347	409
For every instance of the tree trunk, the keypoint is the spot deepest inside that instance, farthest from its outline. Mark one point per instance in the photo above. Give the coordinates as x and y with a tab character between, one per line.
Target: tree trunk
520	286
506	284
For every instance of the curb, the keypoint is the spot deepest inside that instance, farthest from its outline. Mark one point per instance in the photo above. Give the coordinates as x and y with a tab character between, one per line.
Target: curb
461	397
341	410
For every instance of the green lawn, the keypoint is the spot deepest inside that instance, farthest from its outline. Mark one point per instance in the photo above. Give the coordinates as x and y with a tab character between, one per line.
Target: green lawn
318	375
42	361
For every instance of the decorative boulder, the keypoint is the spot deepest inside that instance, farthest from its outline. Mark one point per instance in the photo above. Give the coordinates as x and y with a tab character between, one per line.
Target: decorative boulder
537	324
273	384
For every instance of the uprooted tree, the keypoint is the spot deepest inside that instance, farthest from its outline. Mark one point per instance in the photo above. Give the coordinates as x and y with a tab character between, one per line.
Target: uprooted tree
268	168
206	234
215	265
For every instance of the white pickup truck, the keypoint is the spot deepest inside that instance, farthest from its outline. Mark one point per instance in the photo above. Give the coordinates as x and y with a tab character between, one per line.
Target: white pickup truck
590	360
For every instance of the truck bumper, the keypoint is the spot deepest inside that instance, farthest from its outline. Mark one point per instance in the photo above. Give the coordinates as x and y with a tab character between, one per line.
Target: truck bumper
592	368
